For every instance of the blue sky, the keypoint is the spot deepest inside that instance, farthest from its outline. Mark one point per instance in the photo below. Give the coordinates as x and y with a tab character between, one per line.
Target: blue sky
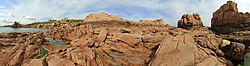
28	11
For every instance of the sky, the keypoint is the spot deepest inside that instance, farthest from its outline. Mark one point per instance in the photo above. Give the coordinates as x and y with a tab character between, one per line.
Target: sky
28	11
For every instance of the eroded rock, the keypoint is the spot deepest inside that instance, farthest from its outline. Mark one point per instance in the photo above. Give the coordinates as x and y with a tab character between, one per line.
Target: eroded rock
227	19
131	39
183	50
102	17
190	21
235	50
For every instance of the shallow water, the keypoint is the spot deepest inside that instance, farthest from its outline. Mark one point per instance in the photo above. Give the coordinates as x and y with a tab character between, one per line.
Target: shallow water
50	39
9	29
53	42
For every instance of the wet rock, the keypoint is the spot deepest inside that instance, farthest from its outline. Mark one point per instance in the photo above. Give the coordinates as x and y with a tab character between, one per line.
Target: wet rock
190	21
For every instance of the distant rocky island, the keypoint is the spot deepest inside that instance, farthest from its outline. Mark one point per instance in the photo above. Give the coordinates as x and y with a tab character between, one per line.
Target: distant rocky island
102	39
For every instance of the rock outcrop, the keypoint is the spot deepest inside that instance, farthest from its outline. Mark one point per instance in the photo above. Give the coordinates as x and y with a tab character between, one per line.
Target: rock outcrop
227	19
102	17
18	49
117	42
151	22
232	25
190	21
16	25
192	49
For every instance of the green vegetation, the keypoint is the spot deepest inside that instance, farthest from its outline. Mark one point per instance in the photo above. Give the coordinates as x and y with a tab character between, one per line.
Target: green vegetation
75	20
43	52
96	54
107	54
57	21
247	60
112	50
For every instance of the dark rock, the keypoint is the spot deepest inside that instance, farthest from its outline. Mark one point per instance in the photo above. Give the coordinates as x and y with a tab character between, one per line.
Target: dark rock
234	50
16	25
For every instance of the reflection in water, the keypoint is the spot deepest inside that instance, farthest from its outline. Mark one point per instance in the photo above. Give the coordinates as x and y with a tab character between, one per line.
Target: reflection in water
53	42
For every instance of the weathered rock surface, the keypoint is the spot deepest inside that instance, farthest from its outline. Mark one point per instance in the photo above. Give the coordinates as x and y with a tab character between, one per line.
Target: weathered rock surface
188	50
151	22
18	49
190	21
111	41
227	19
235	51
102	17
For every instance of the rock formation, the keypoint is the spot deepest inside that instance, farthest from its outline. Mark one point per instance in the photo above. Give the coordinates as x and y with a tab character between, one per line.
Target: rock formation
18	49
153	22
227	19
190	50
190	21
111	41
16	25
102	17
233	26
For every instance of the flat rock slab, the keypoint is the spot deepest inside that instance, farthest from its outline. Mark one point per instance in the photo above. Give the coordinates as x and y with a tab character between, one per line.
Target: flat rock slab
182	50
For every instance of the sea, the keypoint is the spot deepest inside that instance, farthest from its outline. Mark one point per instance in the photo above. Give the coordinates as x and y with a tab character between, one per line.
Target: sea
50	39
9	29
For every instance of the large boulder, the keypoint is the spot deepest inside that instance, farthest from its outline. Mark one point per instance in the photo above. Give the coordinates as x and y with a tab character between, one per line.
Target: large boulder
235	51
187	50
227	19
190	21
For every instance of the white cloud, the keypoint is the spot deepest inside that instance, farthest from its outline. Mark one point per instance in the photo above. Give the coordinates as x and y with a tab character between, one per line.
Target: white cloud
29	17
170	10
243	5
1	7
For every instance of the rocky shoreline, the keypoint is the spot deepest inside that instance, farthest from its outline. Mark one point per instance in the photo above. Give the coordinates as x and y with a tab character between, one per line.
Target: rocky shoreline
107	40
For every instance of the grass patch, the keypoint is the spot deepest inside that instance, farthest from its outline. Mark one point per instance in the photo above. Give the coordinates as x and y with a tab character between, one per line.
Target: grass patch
43	52
112	50
107	54
96	54
55	21
247	60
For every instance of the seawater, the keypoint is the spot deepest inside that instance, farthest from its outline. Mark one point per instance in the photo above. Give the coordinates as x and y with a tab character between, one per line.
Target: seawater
9	29
50	39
